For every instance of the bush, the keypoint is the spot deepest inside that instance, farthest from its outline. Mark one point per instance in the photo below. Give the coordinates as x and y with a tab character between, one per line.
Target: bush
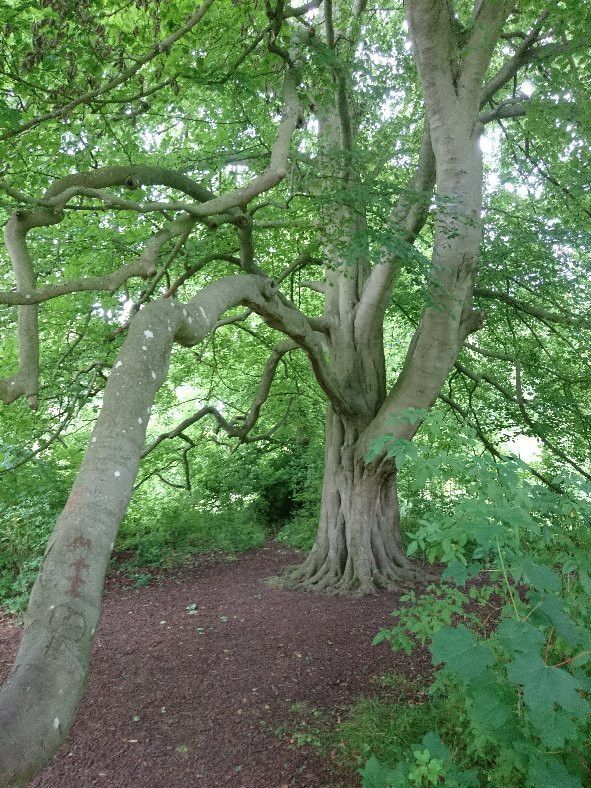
24	531
163	535
524	687
299	532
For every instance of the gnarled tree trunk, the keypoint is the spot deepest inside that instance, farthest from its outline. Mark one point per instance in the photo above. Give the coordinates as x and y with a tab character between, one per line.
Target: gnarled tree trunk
357	548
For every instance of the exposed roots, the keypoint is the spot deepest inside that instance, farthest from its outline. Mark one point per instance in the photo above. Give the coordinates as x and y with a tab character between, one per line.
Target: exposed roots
329	577
357	549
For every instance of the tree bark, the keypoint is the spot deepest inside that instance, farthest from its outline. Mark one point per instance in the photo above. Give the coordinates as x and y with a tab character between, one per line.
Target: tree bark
358	547
39	699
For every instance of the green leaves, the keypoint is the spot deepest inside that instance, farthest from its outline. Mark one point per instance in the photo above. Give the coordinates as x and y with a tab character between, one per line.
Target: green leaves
462	653
375	775
10	118
551	609
493	703
544	685
539	576
548	772
520	636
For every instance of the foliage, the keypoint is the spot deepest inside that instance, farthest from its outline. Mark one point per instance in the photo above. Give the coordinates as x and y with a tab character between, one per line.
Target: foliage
524	686
178	529
389	725
29	507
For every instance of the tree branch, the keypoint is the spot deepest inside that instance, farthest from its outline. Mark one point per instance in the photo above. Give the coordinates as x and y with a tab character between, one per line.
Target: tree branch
434	49
233	429
25	380
512	108
122	78
522	56
534	311
407	220
487	27
489	445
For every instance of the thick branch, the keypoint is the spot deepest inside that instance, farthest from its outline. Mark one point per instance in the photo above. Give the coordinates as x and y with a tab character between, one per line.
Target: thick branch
512	108
39	698
25	381
434	49
487	28
407	220
522	56
144	267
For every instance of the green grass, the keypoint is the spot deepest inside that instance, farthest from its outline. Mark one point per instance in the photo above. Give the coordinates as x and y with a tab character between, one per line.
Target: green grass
390	727
387	726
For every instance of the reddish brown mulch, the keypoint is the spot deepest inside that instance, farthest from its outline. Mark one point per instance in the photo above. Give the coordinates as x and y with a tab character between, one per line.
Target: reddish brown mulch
178	699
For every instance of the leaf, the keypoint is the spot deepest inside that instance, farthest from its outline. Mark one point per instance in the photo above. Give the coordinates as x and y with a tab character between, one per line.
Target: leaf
549	772
552	609
520	636
493	703
9	118
585	581
541	577
553	726
544	685
375	775
455	571
432	741
463	654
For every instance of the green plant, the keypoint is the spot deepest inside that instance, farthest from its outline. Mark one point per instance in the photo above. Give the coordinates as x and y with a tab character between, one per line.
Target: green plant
167	533
524	686
24	531
300	531
434	609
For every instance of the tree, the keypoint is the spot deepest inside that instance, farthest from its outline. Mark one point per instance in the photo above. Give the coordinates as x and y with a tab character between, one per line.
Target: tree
344	63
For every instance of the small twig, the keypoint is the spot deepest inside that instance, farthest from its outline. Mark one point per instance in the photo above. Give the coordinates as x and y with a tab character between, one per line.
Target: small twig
548	646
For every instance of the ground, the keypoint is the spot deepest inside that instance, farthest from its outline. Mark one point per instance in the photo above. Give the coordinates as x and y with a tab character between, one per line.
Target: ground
193	675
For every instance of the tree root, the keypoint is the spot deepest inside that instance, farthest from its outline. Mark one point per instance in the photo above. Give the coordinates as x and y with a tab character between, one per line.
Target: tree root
328	578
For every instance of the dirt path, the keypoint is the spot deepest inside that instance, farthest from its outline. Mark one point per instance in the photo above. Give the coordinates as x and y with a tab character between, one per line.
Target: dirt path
190	675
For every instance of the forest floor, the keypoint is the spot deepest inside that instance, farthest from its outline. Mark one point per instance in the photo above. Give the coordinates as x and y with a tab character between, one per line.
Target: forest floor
194	677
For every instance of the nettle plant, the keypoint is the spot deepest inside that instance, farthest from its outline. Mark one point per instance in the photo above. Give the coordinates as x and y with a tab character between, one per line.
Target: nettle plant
520	669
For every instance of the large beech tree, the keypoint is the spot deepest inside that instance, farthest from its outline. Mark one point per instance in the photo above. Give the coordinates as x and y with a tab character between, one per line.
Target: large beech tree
332	85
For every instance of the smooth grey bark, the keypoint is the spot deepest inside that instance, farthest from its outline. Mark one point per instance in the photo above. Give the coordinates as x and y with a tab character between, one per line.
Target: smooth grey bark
358	546
40	696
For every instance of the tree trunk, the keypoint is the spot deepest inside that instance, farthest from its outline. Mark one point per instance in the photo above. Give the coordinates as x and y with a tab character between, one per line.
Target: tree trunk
39	698
358	547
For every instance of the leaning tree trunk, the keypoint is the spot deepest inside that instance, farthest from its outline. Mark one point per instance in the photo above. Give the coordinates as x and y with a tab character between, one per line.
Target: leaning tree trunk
358	547
39	698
